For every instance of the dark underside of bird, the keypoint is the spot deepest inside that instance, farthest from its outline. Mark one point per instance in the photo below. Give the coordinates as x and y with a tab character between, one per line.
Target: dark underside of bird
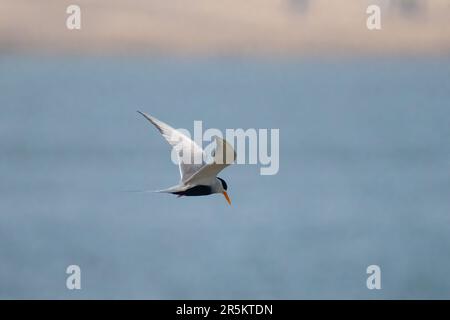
199	190
195	191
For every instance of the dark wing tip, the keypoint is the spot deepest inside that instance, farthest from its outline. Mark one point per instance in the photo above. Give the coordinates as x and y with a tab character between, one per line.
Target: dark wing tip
146	116
152	121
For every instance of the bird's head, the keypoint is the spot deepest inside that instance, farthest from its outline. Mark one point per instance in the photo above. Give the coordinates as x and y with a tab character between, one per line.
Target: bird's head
223	187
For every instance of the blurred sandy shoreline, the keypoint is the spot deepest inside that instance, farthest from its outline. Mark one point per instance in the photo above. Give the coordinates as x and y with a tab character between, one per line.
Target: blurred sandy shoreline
228	28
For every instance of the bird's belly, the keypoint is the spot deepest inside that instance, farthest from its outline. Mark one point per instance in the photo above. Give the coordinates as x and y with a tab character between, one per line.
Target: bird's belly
195	191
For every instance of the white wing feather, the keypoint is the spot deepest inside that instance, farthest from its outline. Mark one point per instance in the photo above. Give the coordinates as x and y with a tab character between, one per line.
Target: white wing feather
224	155
190	155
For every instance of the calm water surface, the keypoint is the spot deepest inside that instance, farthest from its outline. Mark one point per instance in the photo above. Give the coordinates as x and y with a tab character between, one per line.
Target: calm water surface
364	179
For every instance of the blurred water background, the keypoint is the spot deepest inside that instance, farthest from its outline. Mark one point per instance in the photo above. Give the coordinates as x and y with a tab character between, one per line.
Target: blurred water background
364	178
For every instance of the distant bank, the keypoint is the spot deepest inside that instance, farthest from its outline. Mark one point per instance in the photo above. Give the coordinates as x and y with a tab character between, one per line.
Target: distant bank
252	27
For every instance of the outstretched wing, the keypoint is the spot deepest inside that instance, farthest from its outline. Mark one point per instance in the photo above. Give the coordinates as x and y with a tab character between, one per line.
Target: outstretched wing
190	155
224	155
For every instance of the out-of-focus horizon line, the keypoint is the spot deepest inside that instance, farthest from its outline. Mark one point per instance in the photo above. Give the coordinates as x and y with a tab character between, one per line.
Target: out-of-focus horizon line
262	28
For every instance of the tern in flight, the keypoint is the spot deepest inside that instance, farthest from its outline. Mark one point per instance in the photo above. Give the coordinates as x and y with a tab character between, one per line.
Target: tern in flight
197	179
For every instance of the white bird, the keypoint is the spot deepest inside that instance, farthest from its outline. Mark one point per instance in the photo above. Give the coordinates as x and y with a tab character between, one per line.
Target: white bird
197	177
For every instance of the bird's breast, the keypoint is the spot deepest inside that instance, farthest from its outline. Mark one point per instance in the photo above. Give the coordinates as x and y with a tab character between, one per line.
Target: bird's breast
200	190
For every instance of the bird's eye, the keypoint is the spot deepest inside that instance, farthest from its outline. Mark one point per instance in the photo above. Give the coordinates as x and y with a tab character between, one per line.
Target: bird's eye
224	184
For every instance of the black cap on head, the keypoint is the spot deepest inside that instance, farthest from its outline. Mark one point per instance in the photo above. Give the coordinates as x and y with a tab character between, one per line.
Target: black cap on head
224	184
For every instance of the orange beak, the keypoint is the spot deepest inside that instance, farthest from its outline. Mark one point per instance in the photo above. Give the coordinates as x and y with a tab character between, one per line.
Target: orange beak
227	197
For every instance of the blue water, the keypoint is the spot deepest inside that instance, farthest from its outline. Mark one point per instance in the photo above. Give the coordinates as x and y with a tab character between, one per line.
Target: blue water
364	179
